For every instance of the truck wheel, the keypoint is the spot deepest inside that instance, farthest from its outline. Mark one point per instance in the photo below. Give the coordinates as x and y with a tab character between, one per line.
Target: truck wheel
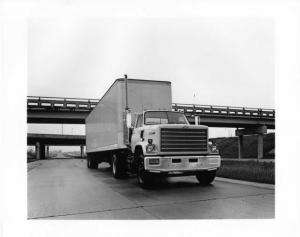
206	177
143	176
88	162
118	166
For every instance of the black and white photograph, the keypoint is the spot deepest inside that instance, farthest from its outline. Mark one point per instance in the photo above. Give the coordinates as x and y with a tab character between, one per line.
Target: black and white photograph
196	101
136	115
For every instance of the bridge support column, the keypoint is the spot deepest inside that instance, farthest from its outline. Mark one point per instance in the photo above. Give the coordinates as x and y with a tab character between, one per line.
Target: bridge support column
260	131
47	152
81	151
260	146
37	151
40	150
241	146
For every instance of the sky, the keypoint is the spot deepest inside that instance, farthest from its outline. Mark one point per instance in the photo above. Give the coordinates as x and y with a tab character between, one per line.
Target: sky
209	60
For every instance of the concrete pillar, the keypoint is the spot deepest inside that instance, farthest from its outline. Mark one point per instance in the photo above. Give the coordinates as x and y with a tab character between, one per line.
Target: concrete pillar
37	151
42	151
260	146
47	151
81	151
241	146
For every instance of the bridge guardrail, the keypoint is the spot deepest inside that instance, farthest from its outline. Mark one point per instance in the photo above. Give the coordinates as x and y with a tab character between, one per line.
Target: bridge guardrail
224	110
78	104
56	103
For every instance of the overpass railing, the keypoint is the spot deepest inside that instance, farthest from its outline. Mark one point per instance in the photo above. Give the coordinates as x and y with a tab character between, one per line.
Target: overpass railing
191	109
57	103
76	104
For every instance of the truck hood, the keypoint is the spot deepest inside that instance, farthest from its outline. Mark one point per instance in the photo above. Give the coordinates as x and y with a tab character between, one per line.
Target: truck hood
175	126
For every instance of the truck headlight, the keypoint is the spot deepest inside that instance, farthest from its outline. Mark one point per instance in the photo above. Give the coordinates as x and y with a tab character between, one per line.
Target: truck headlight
154	161
212	147
150	148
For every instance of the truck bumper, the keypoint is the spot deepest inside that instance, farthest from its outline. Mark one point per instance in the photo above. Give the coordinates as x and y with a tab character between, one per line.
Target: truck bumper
158	164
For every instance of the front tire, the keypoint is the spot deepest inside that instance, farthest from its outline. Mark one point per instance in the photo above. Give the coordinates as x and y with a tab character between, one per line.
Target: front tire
143	176
206	177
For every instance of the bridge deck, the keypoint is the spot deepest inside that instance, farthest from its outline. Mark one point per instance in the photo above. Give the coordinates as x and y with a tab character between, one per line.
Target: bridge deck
74	111
55	139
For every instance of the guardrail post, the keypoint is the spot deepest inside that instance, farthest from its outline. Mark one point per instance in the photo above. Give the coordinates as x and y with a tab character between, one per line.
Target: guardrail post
260	112
39	101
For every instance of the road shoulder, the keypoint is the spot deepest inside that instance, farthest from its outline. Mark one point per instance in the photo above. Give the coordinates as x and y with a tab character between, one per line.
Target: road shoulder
236	181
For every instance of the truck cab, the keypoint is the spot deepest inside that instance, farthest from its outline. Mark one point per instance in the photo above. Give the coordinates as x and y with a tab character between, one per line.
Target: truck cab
164	143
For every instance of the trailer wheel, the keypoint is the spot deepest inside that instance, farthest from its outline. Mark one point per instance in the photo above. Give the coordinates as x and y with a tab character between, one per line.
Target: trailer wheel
118	166
143	176
206	177
88	162
91	164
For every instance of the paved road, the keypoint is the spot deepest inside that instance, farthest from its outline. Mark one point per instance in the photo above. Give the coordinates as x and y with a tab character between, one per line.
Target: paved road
66	189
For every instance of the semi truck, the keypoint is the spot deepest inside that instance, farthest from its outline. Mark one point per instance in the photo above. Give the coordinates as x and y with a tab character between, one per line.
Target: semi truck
134	129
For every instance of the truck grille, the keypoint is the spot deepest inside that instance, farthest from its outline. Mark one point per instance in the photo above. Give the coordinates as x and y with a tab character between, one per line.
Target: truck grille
183	140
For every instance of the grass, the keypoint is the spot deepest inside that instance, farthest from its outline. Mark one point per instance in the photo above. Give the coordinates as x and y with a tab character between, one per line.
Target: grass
262	172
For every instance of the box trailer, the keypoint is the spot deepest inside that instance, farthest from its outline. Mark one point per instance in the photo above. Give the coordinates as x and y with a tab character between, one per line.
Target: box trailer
134	129
106	124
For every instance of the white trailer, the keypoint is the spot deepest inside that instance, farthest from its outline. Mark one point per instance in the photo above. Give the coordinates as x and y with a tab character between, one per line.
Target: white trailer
106	125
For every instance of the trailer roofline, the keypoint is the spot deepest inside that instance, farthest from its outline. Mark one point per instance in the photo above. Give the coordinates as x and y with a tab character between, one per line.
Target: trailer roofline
142	80
123	79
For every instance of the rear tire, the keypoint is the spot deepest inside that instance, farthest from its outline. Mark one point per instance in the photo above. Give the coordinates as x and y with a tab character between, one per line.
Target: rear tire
91	164
206	177
118	166
143	176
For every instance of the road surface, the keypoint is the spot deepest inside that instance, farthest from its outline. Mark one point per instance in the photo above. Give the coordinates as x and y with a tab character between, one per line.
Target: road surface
66	189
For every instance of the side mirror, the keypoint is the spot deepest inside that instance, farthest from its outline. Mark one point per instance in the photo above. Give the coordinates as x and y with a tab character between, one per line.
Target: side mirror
129	119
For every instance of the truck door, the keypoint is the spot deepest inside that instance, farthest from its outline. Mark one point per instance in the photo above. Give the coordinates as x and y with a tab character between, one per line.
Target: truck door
137	131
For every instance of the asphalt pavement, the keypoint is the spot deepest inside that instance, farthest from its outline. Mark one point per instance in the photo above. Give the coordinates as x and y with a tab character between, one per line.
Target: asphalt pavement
66	189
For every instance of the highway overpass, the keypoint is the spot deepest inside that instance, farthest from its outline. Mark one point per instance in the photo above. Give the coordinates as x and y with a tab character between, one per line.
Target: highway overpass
74	111
43	141
56	139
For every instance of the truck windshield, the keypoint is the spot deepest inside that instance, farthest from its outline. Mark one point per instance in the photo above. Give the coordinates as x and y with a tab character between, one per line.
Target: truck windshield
164	117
